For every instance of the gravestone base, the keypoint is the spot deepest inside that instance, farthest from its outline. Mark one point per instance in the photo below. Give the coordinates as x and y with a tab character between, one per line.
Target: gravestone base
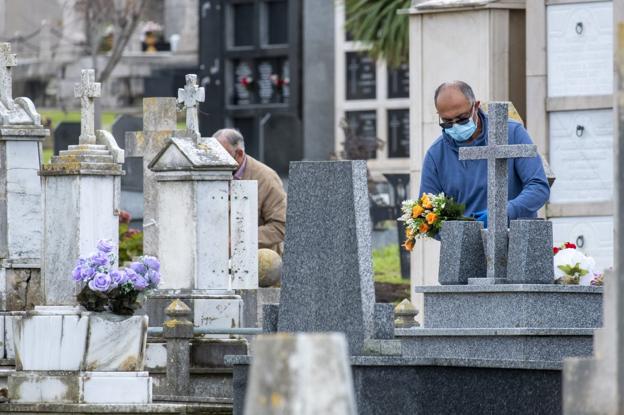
168	408
441	386
512	306
80	387
487	281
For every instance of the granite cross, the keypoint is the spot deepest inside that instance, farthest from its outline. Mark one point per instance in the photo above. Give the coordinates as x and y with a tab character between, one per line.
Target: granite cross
87	90
159	124
190	96
497	152
7	61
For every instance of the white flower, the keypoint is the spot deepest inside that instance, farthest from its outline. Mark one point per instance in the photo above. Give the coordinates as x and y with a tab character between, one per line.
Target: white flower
572	257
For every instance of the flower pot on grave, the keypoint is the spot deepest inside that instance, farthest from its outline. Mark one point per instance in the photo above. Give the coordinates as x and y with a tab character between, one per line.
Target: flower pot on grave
70	339
462	255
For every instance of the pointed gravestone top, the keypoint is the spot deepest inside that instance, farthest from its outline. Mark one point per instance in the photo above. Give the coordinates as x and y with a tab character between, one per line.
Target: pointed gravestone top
497	152
183	154
190	96
327	282
87	90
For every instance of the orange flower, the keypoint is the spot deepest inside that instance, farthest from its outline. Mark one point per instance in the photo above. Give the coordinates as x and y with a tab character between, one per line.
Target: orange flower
408	245
431	218
417	211
423	228
424	200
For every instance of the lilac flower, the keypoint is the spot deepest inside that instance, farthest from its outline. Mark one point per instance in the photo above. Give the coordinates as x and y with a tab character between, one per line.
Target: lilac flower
151	262
105	245
77	273
139	268
100	259
118	277
87	272
101	282
138	281
153	277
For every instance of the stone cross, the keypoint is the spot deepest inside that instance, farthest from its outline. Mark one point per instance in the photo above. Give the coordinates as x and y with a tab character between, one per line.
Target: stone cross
497	152
159	124
7	61
87	90
190	96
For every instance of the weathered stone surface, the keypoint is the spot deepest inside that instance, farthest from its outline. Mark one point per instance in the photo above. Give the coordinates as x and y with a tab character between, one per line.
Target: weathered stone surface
327	283
190	96
87	90
497	152
461	253
23	288
530	258
270	317
184	153
405	315
254	301
384	321
300	374
16	111
269	268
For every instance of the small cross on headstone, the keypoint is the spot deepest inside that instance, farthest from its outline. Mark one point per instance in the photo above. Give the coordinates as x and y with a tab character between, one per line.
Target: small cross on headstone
497	152
7	61
190	96
87	90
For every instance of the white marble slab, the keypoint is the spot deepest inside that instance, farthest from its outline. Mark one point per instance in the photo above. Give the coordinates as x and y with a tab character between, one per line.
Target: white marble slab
156	356
116	343
176	234
212	235
118	388
581	155
244	231
50	342
218	313
9	341
596	234
580	48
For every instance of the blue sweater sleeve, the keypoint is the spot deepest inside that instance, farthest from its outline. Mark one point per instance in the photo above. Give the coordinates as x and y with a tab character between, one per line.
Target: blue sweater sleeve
535	190
429	180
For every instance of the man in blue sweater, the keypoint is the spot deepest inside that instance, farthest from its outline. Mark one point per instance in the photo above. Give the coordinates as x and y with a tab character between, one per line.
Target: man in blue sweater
464	124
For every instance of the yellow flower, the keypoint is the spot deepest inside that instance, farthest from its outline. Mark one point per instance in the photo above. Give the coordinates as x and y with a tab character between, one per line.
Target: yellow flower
423	228
417	211
409	233
424	200
431	218
408	245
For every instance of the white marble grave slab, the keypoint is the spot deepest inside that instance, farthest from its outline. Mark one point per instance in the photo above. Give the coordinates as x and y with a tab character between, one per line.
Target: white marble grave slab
595	233
117	387
176	234
116	343
580	49
218	313
212	235
244	231
9	341
64	346
23	198
581	155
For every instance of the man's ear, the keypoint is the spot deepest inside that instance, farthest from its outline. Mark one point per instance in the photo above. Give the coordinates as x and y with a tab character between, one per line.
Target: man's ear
477	105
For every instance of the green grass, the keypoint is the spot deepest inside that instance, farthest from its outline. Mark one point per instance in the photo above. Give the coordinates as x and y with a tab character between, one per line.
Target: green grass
47	154
387	266
56	116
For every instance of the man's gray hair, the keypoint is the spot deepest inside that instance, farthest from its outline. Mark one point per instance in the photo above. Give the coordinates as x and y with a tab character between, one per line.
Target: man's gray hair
233	136
463	87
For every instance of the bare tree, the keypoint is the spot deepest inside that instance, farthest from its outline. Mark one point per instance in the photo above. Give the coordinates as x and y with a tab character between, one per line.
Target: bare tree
119	16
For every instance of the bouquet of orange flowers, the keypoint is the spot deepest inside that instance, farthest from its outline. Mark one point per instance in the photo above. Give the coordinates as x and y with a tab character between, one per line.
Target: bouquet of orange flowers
424	217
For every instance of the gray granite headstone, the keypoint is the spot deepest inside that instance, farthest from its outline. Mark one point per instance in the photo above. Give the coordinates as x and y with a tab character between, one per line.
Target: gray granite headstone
462	255
327	280
65	134
530	259
384	321
133	166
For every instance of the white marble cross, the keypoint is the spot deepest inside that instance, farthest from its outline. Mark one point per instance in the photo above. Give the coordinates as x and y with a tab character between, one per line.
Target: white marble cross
87	90
7	61
190	96
497	152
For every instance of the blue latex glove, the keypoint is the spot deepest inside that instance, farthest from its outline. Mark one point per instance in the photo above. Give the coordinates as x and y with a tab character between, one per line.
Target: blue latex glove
481	216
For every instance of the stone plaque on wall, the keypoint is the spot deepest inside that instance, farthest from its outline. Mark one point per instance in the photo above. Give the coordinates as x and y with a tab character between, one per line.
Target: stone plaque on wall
243	82
364	125
581	155
398	81
580	49
398	133
361	76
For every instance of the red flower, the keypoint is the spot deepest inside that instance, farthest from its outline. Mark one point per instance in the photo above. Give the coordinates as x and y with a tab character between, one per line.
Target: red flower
555	250
569	245
246	81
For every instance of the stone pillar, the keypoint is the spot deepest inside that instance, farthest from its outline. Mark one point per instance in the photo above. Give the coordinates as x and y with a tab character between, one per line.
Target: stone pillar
21	223
178	332
81	190
291	372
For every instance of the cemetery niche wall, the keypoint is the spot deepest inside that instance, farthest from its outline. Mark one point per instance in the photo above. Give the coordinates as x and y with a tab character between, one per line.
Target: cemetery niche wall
250	57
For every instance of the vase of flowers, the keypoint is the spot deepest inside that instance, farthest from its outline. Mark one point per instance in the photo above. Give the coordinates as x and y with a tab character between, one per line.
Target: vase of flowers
101	335
573	267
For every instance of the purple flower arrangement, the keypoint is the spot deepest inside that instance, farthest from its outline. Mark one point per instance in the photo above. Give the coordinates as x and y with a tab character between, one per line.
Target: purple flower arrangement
122	291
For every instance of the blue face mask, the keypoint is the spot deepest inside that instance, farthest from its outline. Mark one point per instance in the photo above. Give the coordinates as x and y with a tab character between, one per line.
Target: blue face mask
462	132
